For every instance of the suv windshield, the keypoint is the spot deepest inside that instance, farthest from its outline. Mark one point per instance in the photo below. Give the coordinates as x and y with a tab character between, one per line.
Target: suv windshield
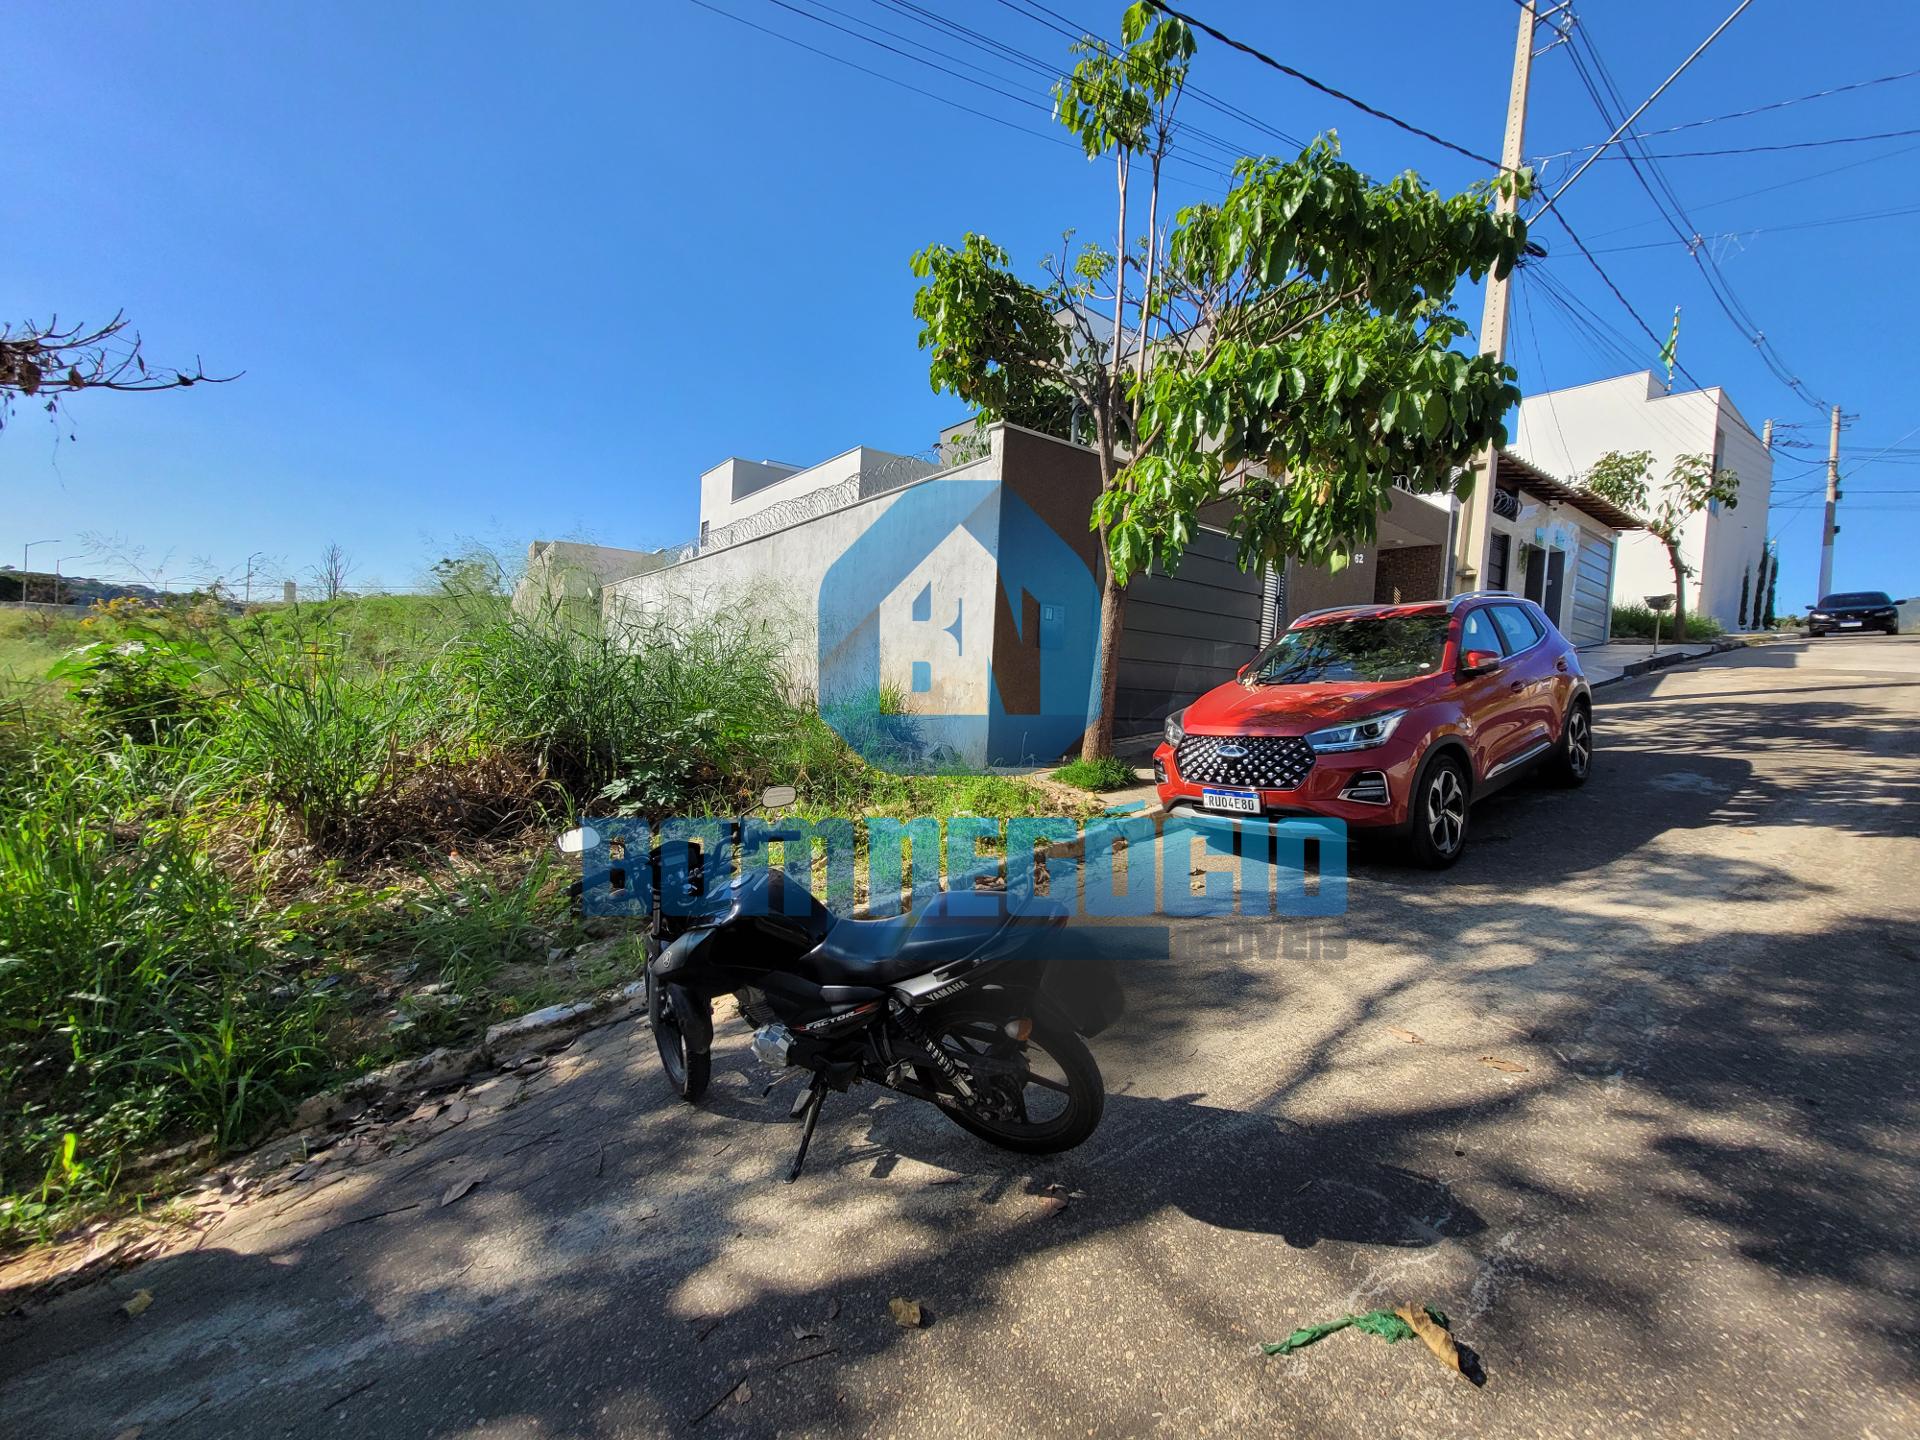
1368	648
1857	597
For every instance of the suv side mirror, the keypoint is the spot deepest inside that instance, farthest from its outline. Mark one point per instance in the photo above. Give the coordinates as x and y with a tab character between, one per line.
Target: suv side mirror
1479	662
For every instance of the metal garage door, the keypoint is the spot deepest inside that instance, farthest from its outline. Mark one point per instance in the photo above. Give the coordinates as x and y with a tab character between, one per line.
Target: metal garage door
1185	632
1592	590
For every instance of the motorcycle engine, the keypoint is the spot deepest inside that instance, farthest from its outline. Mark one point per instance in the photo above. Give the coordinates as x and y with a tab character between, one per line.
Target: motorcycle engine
754	1007
771	1044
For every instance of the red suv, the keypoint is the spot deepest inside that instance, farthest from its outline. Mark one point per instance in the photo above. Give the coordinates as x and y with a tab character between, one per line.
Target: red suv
1387	716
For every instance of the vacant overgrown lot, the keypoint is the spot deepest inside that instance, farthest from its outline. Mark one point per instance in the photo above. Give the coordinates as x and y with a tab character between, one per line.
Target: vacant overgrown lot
243	856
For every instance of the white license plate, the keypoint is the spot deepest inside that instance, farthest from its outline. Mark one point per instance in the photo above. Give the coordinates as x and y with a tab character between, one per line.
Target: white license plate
1240	802
1851	624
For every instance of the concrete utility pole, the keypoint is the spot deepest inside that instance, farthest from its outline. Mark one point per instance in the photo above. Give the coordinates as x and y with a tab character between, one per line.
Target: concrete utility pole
1833	498
1475	521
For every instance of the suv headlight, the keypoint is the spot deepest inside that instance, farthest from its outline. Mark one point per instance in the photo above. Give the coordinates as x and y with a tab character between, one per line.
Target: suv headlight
1360	735
1821	615
1176	732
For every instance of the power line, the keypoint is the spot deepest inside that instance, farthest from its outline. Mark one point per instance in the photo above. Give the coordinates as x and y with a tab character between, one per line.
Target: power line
1626	126
1053	71
1211	171
1765	149
1674	213
1204	97
1765	230
1768	189
1756	110
1626	304
1324	88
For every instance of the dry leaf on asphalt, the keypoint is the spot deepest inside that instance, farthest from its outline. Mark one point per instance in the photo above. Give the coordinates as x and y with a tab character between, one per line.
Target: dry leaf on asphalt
806	1332
1411	1037
1512	1067
906	1313
743	1394
140	1301
833	1308
1433	1333
459	1188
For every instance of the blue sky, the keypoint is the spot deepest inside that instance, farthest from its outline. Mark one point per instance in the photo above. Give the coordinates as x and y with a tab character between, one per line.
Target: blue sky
506	271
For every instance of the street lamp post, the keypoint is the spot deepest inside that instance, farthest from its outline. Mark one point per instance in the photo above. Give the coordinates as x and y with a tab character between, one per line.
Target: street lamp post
23	564
56	572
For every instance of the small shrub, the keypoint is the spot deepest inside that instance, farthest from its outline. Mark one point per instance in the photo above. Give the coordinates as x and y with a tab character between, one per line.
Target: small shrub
145	689
1635	622
1106	773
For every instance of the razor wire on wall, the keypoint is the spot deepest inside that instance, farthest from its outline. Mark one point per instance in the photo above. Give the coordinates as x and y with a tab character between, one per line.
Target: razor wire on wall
865	484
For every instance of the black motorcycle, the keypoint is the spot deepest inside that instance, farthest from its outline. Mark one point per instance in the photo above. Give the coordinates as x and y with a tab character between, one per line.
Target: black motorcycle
957	1002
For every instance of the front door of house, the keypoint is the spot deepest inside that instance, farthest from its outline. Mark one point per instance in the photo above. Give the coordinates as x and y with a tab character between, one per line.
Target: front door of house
1546	579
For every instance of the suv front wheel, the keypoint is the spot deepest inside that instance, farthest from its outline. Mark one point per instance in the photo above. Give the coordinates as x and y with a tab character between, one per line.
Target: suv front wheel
1437	832
1573	756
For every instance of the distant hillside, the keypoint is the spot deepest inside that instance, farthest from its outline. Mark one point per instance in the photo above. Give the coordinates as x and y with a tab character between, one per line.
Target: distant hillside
74	589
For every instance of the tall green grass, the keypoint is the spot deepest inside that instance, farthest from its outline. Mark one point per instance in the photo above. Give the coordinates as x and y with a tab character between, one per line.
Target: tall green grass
648	714
324	737
136	1001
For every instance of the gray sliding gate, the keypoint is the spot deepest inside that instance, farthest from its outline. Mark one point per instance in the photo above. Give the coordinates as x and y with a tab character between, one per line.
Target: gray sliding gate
1185	633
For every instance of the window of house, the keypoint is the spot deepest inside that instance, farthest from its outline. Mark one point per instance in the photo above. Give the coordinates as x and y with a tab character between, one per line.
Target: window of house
1497	554
1517	627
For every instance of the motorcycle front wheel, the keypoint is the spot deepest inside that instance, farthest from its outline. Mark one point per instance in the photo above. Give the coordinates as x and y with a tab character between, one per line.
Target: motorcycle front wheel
1039	1096
687	1070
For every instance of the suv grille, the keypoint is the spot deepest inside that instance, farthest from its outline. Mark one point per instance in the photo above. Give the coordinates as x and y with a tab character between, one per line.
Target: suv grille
1271	762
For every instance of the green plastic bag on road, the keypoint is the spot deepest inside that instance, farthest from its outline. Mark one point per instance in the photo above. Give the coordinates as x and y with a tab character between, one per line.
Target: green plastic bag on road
1383	1323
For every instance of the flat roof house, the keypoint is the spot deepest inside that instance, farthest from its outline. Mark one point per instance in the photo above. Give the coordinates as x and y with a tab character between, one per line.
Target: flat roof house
1566	431
972	588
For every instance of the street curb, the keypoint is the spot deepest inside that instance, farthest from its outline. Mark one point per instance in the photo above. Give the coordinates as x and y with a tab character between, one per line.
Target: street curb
1666	661
509	1040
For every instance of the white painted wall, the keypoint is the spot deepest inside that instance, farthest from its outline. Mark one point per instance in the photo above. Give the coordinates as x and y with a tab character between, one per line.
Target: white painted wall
1565	431
779	575
770	483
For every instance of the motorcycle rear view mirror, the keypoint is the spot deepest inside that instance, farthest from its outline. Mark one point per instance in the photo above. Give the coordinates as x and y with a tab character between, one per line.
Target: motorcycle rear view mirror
577	840
776	797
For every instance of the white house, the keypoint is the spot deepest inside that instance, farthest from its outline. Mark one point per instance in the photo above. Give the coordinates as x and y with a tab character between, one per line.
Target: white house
1565	431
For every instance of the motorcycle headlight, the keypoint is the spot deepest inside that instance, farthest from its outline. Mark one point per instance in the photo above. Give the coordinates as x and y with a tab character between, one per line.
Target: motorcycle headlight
1360	735
1176	732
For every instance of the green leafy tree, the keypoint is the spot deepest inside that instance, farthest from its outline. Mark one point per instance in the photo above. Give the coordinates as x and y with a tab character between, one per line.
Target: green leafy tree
1693	483
1033	354
1295	345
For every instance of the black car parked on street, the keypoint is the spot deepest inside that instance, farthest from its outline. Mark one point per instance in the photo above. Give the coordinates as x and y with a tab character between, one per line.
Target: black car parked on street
1854	610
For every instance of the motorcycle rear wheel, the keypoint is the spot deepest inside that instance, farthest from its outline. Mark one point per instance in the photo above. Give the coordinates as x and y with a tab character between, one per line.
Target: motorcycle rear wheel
687	1070
1056	1107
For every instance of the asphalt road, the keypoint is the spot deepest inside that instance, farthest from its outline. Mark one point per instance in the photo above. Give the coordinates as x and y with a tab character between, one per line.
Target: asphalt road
1692	1211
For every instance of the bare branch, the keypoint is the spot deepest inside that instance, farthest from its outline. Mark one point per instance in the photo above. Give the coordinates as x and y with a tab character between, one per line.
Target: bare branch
50	361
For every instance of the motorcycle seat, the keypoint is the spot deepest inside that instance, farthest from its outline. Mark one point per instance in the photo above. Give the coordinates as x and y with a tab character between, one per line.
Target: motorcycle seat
948	928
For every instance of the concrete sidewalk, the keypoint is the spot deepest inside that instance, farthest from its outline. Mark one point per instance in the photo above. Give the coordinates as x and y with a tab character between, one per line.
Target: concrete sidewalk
1620	659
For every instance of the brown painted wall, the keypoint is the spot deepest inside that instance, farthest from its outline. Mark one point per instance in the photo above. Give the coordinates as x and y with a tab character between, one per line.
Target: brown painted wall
1313	587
